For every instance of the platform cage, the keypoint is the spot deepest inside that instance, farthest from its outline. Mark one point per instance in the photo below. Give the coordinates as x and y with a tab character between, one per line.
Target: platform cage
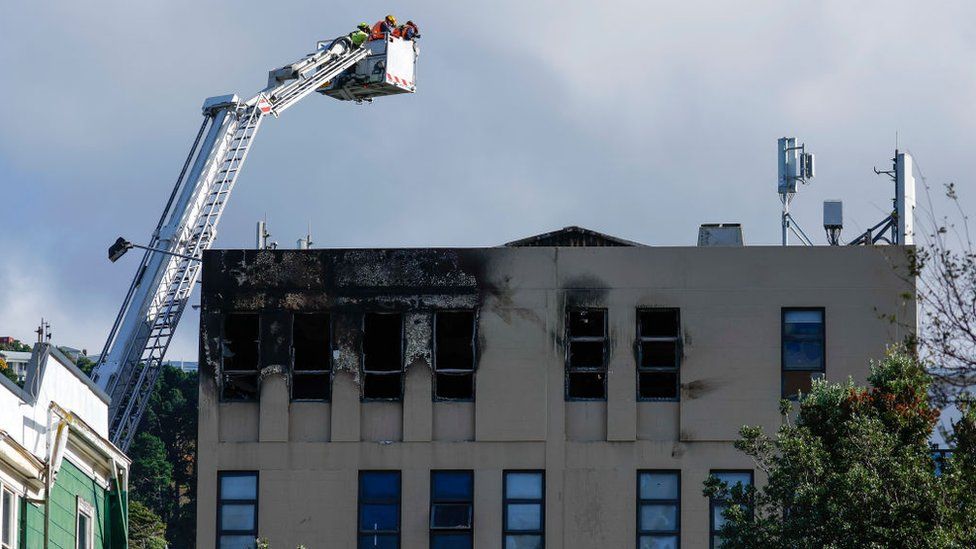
389	69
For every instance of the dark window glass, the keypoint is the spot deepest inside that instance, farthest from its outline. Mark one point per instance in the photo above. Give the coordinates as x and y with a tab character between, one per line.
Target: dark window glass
523	518
803	350
312	369
658	509
383	356
586	354
718	505
239	346
379	509
451	509
658	354
454	355
237	509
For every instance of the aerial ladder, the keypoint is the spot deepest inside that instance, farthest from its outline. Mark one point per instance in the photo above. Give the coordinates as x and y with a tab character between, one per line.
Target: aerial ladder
133	354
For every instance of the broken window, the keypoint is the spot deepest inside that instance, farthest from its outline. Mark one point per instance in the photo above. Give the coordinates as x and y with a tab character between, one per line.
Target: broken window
312	359
451	509
658	354
383	356
586	354
803	350
454	358
239	344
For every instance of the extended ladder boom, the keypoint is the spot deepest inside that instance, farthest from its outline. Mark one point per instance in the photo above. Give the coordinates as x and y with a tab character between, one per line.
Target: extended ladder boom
132	357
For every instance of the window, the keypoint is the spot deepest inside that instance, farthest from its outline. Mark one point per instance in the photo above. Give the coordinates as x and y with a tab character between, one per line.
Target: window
524	510
312	361
239	357
451	509
237	509
8	519
803	349
658	509
586	354
454	359
382	356
84	522
658	354
717	505
379	509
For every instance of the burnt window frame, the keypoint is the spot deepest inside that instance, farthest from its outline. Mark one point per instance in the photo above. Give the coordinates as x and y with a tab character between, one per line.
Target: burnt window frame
569	369
678	354
714	502
311	373
257	370
506	501
361	501
221	502
455	372
362	359
782	348
676	502
443	532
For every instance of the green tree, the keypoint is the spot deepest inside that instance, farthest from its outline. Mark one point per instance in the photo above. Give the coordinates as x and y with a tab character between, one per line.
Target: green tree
146	529
152	474
16	345
855	470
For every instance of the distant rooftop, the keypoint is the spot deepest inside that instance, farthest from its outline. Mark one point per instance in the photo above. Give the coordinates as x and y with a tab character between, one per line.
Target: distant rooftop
576	237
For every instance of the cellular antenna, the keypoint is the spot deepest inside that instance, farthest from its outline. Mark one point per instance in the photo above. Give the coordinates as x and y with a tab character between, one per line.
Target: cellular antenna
899	227
795	165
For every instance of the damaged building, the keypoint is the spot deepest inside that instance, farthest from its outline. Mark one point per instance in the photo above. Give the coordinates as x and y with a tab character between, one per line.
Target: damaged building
567	390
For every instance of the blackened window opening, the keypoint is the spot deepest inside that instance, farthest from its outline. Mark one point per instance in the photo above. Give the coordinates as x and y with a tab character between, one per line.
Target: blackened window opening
239	350
382	356
658	354
454	355
312	358
586	354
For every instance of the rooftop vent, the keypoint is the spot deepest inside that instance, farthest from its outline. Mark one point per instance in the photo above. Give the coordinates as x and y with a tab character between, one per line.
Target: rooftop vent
720	234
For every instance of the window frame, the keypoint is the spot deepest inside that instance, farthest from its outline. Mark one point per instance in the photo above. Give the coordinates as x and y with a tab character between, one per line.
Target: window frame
678	354
360	501
223	372
713	502
14	517
362	358
782	348
506	501
569	369
453	371
86	509
220	502
435	532
329	359
676	502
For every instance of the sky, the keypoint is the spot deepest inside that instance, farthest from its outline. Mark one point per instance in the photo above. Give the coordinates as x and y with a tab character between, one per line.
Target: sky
641	119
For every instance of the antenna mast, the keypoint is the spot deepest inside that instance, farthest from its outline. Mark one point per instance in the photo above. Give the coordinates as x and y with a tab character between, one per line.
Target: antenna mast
795	165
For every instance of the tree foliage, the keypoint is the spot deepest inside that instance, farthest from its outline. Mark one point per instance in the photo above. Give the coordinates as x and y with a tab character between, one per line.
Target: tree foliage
16	345
146	529
163	453
855	470
8	372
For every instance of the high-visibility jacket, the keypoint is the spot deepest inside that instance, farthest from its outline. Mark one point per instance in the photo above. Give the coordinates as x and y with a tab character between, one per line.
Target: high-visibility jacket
358	37
379	29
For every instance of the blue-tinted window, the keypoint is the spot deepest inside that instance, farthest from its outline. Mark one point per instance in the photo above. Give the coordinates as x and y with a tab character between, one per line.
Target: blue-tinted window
524	516
803	349
379	509
658	509
718	505
451	509
237	509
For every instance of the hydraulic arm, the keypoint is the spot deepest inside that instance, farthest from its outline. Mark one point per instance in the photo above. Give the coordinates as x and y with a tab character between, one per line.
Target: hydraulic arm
132	357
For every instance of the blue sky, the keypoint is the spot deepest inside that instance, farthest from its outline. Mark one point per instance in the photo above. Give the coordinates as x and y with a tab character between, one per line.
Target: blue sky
640	119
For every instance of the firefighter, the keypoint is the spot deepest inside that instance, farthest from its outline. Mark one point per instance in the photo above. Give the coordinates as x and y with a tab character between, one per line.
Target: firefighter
360	35
409	31
383	27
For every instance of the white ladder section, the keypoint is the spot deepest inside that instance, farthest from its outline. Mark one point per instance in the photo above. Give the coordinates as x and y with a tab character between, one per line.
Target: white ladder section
133	354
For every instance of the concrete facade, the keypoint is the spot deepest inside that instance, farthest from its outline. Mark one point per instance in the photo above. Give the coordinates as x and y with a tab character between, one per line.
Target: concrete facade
308	455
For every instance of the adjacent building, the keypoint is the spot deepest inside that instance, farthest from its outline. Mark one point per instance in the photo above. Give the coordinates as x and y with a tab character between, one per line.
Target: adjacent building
62	483
569	390
17	362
